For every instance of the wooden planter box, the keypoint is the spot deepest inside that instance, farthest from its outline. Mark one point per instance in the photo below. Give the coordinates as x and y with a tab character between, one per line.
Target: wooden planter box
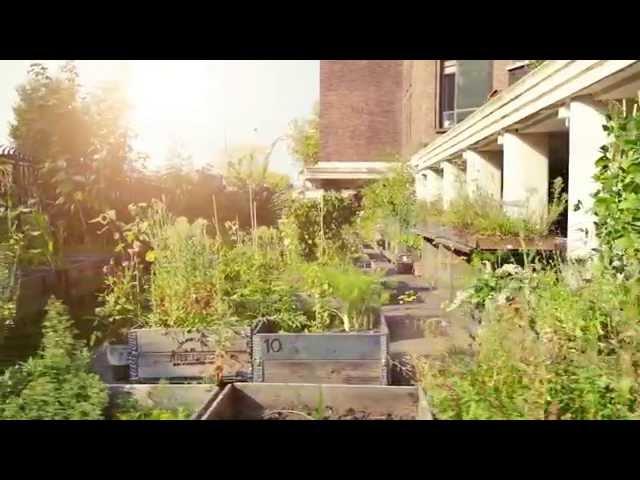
251	401
84	277
178	355
35	287
329	358
466	242
197	398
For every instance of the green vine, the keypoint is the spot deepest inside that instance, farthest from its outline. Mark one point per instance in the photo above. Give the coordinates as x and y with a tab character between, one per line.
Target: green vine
617	201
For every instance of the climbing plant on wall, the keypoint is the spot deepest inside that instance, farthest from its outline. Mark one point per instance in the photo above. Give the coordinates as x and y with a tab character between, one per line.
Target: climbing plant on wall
617	201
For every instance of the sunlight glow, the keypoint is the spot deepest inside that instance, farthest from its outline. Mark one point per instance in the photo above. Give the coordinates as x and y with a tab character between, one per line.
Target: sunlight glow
167	95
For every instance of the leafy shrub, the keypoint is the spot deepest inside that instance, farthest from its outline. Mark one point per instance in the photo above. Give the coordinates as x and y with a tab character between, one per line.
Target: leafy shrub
553	344
317	229
130	409
358	296
57	383
183	291
484	215
124	301
389	208
617	200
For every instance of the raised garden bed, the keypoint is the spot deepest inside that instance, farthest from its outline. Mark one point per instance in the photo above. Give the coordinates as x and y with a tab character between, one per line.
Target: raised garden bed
281	401
466	242
194	399
178	355
329	358
81	276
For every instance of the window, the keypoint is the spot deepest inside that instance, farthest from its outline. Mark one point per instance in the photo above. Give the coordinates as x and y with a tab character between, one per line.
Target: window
448	93
464	86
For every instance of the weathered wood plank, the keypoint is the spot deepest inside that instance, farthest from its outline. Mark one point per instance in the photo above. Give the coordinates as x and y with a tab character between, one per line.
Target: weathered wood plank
319	346
347	372
251	400
156	366
177	354
156	340
514	243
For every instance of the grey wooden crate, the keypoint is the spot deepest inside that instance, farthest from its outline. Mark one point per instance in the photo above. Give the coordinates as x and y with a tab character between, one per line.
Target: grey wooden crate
179	355
196	397
250	401
329	358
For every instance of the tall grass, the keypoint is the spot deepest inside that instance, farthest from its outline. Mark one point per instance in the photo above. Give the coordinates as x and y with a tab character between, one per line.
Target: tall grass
553	344
484	215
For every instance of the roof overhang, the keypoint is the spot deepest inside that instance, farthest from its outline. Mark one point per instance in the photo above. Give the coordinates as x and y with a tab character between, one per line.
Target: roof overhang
347	170
548	87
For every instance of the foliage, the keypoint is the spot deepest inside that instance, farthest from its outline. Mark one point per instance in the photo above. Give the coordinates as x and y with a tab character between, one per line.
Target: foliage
123	302
357	296
389	208
79	142
484	215
182	290
56	384
319	229
130	409
617	201
251	283
553	344
304	137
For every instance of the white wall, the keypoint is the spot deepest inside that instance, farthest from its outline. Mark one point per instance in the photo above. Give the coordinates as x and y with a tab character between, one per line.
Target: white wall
586	136
484	173
453	182
526	173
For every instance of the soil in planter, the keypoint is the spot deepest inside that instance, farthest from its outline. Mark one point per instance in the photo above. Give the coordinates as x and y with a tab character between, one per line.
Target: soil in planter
328	414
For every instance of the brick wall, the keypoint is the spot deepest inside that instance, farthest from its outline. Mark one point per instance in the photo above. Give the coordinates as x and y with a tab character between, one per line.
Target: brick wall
420	100
360	109
369	109
419	105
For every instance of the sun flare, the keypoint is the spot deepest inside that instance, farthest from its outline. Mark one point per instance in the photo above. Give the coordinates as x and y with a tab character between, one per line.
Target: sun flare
165	96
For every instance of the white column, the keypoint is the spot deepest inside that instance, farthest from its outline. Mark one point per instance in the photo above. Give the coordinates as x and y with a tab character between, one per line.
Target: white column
484	173
434	186
586	136
453	180
526	173
421	185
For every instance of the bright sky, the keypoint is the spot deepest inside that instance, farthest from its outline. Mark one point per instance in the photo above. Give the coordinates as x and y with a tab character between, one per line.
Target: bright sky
196	103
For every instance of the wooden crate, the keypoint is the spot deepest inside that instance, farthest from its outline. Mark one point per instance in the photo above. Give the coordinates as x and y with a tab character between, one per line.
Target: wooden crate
195	397
33	292
84	277
178	355
250	401
329	358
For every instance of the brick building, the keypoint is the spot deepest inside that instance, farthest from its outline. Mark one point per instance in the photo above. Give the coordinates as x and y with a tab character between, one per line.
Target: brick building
546	125
371	111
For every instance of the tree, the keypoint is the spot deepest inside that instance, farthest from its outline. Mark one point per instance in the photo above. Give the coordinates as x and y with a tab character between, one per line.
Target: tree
78	141
57	383
304	138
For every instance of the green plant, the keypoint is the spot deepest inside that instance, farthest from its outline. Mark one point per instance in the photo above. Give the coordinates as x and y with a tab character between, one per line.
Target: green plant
484	215
407	297
55	384
389	208
358	296
130	409
555	343
124	301
304	136
617	199
315	229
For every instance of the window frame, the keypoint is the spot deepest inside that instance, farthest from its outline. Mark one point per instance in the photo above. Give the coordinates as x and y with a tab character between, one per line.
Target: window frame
440	72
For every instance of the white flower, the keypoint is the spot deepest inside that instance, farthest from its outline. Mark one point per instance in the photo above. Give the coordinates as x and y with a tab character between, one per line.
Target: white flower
510	269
